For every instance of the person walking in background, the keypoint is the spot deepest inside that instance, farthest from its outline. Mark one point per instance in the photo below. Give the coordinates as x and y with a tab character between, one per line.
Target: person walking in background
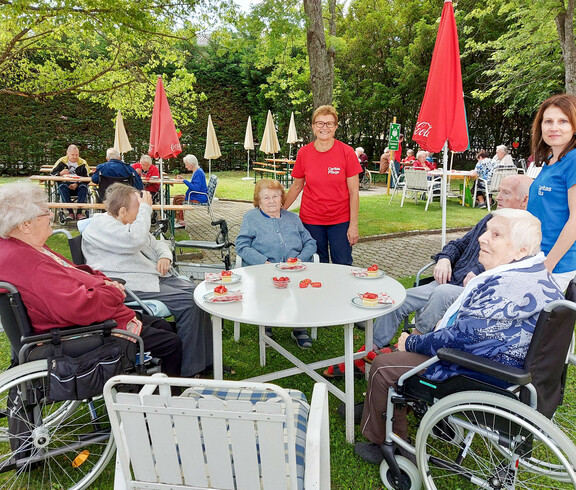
72	165
330	198
553	193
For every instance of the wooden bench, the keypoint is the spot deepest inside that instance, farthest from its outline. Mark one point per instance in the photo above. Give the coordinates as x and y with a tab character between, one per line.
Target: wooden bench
280	175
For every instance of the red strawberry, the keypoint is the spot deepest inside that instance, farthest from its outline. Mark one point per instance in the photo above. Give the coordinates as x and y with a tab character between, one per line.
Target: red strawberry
316	284
304	284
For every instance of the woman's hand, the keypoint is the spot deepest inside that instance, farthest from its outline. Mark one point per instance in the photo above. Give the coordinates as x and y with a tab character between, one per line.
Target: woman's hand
163	266
117	285
145	198
353	234
402	341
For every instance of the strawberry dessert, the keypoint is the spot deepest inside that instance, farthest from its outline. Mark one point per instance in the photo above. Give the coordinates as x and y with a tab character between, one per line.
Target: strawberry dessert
369	299
372	271
226	276
220	291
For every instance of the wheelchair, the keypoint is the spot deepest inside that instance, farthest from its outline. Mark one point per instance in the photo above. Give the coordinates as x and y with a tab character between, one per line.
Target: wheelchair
62	214
366	179
475	434
46	441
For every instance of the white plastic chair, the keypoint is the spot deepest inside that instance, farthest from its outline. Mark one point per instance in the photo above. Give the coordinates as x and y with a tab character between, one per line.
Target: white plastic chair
416	181
218	434
491	187
237	265
397	180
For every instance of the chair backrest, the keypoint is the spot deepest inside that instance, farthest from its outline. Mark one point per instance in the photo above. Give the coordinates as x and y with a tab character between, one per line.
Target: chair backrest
13	316
416	179
546	357
394	173
212	184
75	245
217	434
498	175
533	171
106	181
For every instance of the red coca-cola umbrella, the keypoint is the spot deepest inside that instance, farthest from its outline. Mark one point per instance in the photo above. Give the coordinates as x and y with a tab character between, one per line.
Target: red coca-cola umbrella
164	141
442	120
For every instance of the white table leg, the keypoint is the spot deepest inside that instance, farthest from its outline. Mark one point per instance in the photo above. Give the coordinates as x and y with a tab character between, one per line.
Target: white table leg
217	346
349	380
261	344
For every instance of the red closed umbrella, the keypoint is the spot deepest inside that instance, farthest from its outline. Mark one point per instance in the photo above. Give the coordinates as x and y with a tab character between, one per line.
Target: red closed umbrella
442	120
164	142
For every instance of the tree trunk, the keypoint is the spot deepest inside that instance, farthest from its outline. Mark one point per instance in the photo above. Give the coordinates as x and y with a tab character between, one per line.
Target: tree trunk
565	27
320	58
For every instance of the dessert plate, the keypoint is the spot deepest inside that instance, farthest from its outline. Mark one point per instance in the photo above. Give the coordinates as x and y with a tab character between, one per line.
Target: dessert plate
229	298
285	267
357	301
363	274
234	278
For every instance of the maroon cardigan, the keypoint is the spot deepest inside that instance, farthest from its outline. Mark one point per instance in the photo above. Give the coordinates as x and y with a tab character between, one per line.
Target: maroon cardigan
59	296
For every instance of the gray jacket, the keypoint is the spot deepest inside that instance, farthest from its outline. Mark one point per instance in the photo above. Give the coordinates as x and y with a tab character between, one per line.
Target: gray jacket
129	251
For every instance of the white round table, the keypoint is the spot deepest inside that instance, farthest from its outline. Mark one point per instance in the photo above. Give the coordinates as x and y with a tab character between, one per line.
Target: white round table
331	304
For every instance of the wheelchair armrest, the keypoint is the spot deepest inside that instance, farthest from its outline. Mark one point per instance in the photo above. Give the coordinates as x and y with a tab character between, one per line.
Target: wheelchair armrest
107	325
486	366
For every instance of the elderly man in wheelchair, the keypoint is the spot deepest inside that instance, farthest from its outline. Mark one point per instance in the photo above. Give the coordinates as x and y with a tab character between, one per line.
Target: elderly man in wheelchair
485	438
69	331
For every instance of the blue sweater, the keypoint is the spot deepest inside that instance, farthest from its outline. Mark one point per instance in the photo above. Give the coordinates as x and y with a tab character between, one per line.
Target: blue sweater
117	168
197	184
463	253
264	238
496	317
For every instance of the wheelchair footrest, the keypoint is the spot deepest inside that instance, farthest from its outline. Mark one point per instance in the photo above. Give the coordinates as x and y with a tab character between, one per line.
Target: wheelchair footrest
199	244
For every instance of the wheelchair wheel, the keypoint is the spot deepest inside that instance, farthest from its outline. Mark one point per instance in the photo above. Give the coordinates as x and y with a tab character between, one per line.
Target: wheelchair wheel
565	416
506	445
366	181
49	444
409	473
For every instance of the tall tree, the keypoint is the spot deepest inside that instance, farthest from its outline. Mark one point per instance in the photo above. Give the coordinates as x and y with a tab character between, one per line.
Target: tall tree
320	55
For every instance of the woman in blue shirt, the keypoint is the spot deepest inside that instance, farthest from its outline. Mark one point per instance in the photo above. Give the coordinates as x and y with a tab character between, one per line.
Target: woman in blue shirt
553	194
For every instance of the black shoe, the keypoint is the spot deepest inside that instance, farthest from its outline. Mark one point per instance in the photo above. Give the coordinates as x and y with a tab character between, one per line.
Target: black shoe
369	452
358	409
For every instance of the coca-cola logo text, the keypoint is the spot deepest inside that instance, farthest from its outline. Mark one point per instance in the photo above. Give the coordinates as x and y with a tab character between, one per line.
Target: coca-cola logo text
423	129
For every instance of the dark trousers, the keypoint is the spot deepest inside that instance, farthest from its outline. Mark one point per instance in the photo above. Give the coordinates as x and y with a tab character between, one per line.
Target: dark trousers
162	343
332	242
65	193
384	372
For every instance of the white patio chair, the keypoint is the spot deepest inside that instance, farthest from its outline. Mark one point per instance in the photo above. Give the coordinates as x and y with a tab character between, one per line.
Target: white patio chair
533	171
416	181
491	187
237	265
218	434
397	180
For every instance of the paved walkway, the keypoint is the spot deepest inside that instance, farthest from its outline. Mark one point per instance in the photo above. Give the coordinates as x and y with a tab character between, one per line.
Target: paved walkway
399	255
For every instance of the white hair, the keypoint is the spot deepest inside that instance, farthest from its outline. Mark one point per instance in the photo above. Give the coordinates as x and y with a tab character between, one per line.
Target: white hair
359	149
191	160
421	153
19	202
112	154
503	148
146	158
525	229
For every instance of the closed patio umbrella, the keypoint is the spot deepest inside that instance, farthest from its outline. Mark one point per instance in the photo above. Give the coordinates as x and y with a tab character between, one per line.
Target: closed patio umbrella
292	135
164	141
270	142
248	145
121	142
212	150
442	120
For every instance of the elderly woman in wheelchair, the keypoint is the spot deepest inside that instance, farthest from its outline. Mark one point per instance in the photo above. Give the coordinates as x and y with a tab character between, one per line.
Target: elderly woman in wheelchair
491	441
60	320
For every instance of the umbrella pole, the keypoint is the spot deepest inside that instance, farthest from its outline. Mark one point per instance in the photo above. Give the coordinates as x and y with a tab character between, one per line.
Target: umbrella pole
443	192
290	152
247	166
161	189
209	168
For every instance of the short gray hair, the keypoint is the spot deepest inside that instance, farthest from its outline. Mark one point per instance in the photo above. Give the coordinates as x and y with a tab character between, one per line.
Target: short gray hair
71	148
421	153
112	153
503	148
118	195
19	202
190	159
146	158
525	229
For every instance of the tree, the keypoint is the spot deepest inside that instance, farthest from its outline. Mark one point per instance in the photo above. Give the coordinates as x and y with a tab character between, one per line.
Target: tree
320	56
109	51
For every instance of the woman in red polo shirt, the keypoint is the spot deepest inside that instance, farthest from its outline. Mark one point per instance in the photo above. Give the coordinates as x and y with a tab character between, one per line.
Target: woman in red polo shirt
329	209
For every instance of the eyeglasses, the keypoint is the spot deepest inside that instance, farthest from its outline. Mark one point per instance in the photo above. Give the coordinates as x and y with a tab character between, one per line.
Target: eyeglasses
322	124
47	213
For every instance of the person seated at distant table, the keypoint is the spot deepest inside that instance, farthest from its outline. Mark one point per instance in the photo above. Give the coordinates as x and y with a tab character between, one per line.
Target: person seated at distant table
385	161
484	320
119	243
197	189
59	294
421	163
483	170
71	165
503	157
115	167
148	171
271	234
409	158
